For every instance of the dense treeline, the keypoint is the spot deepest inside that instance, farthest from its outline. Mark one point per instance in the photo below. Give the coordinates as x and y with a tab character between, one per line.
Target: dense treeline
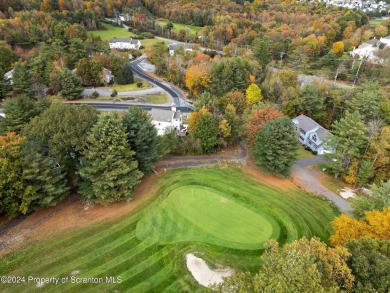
311	25
46	148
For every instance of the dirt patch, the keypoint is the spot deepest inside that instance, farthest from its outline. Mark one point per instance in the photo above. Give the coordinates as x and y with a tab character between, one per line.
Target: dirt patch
280	183
72	213
203	274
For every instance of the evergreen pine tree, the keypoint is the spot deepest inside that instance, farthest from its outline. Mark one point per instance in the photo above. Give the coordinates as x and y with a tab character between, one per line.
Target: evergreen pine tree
21	78
18	113
43	177
366	172
142	138
207	131
5	84
261	50
348	142
276	147
109	170
369	101
70	84
125	75
28	179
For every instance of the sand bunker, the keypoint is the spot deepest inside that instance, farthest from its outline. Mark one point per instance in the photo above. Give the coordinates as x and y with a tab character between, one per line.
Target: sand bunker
203	274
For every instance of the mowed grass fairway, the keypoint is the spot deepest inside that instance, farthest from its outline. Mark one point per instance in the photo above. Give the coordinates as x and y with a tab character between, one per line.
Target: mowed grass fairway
112	31
218	213
192	29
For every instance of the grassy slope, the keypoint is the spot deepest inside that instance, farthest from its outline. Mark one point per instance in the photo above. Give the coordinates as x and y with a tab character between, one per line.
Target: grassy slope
111	32
178	26
150	99
131	87
113	249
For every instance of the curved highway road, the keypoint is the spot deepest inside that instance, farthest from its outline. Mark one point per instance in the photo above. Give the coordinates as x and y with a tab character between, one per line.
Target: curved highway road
174	92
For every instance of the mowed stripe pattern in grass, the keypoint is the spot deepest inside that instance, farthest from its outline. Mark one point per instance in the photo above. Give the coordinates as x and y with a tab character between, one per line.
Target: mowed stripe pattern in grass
113	248
196	213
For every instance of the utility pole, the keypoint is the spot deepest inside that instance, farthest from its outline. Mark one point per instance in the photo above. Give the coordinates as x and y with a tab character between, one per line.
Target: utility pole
339	68
357	73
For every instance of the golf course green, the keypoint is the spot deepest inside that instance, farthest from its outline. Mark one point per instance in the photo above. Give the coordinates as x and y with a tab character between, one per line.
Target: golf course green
195	213
218	213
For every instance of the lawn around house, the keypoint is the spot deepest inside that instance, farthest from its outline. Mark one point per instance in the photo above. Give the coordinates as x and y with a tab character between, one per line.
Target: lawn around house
131	86
178	26
112	31
376	22
219	213
147	99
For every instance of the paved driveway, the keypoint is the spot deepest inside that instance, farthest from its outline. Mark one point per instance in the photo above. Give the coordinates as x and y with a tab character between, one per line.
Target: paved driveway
309	179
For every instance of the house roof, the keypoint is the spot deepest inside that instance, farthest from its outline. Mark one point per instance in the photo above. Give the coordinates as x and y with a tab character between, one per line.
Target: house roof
322	133
176	114
306	123
9	74
161	115
124	40
107	71
175	46
373	42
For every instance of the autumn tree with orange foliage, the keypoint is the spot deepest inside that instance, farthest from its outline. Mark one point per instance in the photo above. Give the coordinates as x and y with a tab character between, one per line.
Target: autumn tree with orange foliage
193	120
198	78
257	121
61	5
236	99
375	225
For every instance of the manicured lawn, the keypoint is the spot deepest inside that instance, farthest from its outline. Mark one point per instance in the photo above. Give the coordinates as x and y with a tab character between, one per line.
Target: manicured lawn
149	99
131	87
178	26
375	22
195	213
218	213
113	31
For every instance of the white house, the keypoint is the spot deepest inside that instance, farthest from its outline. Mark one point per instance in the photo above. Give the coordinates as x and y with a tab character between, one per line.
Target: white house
173	47
312	134
108	77
9	75
164	119
125	43
366	50
385	40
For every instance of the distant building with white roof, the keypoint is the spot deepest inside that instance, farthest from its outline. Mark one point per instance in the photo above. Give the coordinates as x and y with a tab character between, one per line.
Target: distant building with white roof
125	43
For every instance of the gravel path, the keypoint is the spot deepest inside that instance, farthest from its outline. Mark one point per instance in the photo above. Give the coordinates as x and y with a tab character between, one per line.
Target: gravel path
310	180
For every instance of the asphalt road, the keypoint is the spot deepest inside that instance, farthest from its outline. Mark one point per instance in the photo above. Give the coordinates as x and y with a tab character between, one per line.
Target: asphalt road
177	96
113	106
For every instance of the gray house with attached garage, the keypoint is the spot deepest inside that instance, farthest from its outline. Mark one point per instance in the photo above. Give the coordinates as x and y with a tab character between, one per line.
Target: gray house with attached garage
165	119
312	134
